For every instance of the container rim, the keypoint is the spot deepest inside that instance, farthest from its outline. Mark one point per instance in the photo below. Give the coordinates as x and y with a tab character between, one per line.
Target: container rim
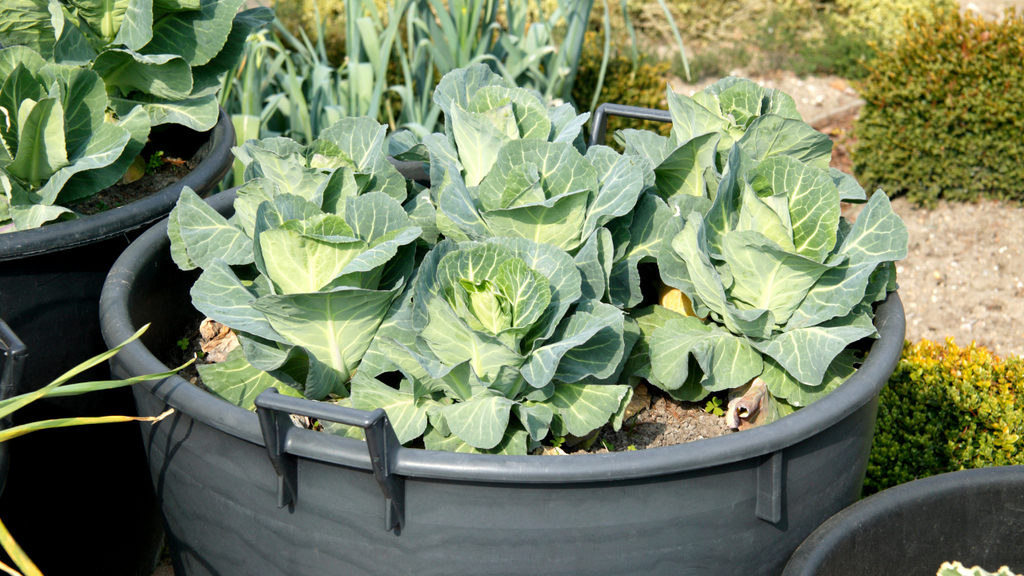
816	550
135	358
97	227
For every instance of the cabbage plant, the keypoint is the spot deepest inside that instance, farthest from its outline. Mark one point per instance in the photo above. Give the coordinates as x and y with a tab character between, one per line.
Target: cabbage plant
307	268
780	283
56	145
687	164
169	56
498	349
510	166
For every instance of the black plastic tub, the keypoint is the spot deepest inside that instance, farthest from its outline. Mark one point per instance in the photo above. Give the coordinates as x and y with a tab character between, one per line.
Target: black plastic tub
738	504
79	501
975	517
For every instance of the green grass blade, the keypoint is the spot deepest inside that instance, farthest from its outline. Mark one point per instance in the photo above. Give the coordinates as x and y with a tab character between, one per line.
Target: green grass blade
82	388
679	39
16	431
300	108
28	568
632	35
12	404
604	58
573	43
85	387
247	127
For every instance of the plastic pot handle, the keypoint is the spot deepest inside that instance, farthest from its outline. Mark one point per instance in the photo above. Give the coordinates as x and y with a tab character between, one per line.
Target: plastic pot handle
14	365
15	352
600	120
274	411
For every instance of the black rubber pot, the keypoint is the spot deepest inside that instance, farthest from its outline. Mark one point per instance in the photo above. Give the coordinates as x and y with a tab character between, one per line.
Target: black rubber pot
79	501
975	517
738	504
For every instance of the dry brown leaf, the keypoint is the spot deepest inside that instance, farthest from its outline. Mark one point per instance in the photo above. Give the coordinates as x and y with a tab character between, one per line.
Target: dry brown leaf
217	340
747	405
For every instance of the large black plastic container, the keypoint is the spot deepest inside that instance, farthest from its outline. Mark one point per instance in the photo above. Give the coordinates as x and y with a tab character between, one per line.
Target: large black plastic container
975	517
738	504
79	501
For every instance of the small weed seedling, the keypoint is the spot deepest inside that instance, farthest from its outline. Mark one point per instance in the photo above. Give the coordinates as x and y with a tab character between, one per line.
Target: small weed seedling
156	160
714	406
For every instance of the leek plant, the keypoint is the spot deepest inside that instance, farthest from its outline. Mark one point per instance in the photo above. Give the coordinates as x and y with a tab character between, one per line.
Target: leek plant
60	387
285	84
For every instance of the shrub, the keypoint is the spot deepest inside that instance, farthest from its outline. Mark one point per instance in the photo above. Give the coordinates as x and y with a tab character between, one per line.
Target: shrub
884	19
622	85
947	408
817	43
302	15
945	112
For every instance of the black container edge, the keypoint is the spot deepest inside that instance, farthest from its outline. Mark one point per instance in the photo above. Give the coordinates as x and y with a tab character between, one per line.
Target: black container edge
117	221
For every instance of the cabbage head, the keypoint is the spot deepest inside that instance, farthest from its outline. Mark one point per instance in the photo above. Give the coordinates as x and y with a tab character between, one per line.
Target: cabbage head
306	269
169	56
687	165
497	350
510	166
780	282
56	142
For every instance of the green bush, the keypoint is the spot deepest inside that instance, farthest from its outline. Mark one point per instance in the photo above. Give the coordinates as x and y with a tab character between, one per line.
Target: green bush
945	112
814	44
884	19
947	408
644	87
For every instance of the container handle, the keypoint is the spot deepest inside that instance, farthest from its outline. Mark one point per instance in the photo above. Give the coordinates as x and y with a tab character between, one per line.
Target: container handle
274	411
15	352
769	488
600	120
14	366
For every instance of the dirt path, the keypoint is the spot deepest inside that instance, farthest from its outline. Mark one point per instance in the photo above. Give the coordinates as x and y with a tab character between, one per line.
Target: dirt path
992	8
964	274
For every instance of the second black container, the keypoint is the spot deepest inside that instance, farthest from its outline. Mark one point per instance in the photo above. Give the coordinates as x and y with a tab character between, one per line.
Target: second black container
79	501
975	517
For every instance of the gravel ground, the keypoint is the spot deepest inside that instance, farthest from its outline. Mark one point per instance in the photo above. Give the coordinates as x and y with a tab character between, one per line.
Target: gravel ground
964	275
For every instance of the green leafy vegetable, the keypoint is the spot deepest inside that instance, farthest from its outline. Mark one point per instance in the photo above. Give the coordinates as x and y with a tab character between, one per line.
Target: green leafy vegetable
782	279
55	143
509	166
958	569
496	347
307	268
160	55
